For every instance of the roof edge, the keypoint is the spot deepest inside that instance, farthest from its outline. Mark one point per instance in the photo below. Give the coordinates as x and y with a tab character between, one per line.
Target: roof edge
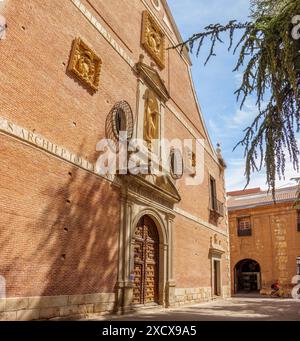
176	29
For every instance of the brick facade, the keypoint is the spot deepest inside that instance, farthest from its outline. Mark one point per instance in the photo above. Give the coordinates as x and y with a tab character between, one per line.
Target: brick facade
274	241
62	225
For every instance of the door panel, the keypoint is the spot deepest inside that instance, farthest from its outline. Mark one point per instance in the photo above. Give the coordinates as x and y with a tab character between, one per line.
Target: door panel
146	243
138	272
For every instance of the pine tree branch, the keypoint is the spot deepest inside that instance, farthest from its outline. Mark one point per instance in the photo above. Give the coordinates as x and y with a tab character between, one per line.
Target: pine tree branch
272	75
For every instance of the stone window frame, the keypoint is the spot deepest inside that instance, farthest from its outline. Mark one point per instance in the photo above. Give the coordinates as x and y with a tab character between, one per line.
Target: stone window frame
217	259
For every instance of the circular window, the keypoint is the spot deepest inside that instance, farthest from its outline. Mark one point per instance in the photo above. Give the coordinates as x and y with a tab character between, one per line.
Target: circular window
156	4
119	123
176	164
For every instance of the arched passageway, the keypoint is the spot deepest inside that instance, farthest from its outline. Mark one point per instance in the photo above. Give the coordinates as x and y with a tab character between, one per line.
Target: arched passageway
247	276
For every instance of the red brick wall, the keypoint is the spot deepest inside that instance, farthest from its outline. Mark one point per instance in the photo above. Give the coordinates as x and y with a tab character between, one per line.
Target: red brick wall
192	261
38	94
59	231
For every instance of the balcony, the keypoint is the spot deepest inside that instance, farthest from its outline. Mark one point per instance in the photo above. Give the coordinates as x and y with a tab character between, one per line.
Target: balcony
217	207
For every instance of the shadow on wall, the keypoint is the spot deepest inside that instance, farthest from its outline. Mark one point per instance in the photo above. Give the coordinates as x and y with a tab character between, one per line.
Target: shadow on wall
70	246
2	287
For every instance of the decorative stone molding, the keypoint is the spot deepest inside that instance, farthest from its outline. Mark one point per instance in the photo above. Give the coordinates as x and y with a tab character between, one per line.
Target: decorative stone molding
156	4
150	83
153	39
216	249
201	222
85	64
153	79
156	188
151	196
142	195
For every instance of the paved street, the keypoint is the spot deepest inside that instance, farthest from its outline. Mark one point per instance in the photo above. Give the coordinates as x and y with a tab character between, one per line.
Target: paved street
237	308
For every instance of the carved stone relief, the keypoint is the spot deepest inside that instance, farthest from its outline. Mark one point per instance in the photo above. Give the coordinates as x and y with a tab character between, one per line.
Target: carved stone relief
153	39
85	64
151	118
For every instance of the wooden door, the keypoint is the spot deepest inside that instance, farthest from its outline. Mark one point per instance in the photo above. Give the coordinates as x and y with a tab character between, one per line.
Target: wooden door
146	267
217	278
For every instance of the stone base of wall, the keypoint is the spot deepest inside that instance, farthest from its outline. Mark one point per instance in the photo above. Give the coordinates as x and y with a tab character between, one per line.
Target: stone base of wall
192	296
226	291
188	296
47	307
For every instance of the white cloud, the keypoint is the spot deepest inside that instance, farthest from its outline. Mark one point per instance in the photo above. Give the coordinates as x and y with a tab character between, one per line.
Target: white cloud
242	117
230	126
238	78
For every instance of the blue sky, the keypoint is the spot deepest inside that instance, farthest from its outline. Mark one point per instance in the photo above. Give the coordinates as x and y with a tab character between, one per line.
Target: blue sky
215	84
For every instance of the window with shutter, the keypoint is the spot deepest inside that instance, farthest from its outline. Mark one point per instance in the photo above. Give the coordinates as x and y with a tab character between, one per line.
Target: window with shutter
298	220
213	194
244	227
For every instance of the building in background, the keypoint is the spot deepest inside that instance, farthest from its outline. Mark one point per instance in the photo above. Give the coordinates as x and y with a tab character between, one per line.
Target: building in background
264	239
73	240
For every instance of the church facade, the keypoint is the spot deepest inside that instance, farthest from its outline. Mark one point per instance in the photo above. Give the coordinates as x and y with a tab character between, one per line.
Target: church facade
112	196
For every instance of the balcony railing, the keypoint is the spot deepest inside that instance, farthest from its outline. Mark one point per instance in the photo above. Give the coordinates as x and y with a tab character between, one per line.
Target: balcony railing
217	207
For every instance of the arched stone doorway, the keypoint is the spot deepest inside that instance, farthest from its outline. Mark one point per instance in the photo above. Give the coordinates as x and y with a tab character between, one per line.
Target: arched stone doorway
247	276
138	210
146	262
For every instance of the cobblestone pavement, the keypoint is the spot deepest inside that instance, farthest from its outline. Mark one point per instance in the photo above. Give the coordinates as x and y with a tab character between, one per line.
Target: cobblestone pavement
234	309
